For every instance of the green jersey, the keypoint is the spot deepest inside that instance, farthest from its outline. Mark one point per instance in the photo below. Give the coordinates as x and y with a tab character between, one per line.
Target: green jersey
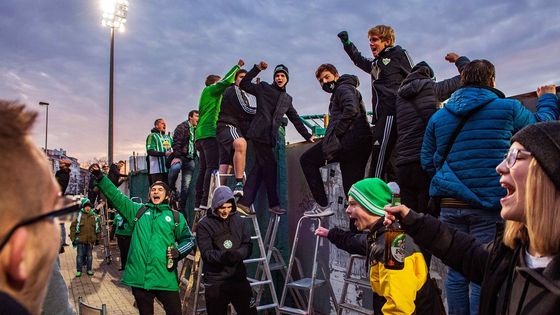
209	105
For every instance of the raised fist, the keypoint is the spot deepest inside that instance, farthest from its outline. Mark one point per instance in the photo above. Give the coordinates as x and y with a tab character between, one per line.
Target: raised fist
343	37
241	63
262	65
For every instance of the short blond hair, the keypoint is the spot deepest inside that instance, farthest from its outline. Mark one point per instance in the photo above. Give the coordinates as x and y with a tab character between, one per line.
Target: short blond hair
23	176
384	32
542	215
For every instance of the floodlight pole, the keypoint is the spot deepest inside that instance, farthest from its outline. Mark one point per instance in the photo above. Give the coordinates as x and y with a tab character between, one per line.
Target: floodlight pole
111	70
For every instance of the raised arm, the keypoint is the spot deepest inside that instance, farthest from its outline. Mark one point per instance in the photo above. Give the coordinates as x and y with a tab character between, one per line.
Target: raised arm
219	88
360	61
126	207
445	88
246	83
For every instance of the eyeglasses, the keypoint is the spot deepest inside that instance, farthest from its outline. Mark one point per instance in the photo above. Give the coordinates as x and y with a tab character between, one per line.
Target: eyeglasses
69	206
514	154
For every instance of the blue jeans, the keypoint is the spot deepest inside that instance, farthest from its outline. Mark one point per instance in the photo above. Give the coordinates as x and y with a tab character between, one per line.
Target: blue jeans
186	167
84	252
482	225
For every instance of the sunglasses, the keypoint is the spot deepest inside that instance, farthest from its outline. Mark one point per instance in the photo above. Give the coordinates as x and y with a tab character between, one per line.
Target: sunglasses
69	205
514	154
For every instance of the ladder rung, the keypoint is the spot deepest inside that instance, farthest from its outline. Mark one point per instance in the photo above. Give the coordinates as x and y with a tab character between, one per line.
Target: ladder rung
254	260
276	266
305	283
266	306
292	310
356	308
254	237
258	283
360	282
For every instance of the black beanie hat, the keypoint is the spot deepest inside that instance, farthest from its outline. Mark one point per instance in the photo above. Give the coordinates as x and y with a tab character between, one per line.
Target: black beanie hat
283	69
162	184
543	141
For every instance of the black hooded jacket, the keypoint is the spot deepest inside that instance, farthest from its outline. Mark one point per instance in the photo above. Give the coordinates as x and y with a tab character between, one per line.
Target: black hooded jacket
417	100
348	125
272	104
387	72
508	286
223	243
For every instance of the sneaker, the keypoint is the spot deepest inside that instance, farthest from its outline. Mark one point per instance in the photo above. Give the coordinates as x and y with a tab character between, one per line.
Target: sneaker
244	210
90	272
277	210
318	211
78	274
238	189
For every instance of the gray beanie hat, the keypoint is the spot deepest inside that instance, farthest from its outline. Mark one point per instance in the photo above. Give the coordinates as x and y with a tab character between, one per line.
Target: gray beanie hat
543	141
282	68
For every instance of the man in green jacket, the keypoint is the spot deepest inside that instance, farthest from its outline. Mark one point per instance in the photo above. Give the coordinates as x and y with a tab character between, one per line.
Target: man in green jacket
206	143
159	234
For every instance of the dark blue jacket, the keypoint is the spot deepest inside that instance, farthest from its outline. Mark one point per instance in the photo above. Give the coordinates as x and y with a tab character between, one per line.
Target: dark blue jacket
469	173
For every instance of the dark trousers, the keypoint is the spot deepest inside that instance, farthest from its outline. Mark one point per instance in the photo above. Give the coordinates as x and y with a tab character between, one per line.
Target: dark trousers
208	162
382	157
84	256
238	293
265	168
353	159
415	186
124	244
158	177
415	192
145	301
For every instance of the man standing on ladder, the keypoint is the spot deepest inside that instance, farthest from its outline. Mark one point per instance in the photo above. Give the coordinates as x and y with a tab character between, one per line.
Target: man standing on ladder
224	241
391	64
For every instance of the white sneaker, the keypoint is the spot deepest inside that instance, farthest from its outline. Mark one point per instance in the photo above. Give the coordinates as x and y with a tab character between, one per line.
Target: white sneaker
318	211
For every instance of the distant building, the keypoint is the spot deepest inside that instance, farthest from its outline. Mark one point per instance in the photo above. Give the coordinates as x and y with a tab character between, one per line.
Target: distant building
79	177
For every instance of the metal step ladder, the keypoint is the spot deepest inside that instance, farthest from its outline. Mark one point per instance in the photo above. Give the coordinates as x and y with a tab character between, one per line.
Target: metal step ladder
305	284
275	260
348	279
262	260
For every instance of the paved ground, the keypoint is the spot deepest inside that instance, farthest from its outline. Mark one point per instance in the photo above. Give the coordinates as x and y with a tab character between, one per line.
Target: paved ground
104	286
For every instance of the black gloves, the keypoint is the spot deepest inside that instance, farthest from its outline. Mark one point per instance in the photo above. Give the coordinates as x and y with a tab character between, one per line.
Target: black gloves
95	170
231	257
344	38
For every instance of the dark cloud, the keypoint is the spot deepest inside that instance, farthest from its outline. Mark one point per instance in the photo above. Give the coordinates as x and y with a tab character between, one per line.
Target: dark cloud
57	51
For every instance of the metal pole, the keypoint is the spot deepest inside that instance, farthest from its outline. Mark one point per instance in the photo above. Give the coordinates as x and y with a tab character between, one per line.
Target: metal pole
46	124
47	128
111	69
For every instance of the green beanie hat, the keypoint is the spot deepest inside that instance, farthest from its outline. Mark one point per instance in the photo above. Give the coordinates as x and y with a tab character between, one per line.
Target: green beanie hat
84	202
373	194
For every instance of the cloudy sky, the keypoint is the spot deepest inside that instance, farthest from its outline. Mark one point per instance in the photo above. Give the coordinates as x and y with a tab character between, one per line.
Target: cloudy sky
57	51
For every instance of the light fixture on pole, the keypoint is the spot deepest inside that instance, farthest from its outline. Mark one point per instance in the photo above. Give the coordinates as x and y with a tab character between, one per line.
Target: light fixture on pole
114	16
46	124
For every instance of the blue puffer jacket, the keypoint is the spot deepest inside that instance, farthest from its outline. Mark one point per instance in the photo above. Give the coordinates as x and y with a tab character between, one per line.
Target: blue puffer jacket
469	172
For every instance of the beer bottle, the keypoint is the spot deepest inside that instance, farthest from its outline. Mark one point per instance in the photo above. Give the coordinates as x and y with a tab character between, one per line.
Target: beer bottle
170	261
394	237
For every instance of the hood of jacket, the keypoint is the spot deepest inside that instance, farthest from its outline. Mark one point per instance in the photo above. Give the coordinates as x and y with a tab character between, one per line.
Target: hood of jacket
414	83
222	195
468	98
347	79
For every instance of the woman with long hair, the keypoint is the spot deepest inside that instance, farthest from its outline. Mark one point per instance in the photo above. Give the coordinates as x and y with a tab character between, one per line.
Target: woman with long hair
519	271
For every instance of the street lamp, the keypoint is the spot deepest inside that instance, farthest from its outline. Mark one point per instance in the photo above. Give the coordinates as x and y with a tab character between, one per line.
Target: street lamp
47	123
114	16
